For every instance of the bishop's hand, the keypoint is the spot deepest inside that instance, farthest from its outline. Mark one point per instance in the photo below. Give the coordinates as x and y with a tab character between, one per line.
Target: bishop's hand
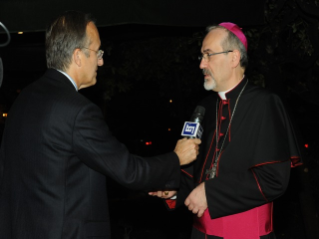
196	200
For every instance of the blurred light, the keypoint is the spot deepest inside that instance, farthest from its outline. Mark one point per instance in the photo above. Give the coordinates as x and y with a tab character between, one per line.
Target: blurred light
169	129
5	115
306	146
20	33
148	143
170	101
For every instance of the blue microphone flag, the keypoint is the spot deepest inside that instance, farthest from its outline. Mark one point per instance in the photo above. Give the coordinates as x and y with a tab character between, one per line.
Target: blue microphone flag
192	130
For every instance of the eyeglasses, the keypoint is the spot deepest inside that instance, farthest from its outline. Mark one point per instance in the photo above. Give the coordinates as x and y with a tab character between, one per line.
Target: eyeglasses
99	53
206	55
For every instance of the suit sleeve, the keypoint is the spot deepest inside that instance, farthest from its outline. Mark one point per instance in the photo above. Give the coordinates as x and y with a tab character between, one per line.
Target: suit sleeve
268	176
96	147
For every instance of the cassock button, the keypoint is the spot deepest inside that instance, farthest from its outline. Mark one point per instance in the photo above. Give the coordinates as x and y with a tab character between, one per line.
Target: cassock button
221	134
225	102
223	118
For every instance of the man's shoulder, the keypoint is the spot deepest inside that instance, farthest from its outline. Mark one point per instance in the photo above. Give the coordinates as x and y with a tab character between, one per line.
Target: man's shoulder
50	79
53	88
258	93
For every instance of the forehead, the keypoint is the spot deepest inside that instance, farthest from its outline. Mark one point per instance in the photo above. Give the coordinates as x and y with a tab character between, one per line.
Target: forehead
213	40
93	34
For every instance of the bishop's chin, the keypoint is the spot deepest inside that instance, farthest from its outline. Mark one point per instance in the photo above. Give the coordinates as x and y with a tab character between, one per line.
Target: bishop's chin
209	85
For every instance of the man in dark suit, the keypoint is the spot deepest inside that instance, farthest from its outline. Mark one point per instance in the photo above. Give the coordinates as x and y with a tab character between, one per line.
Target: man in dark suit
57	149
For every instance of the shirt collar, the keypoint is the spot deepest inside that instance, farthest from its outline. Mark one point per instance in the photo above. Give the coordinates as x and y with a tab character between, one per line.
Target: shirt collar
228	93
70	79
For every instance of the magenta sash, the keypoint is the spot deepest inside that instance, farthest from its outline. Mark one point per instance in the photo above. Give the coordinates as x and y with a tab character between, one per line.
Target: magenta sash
250	224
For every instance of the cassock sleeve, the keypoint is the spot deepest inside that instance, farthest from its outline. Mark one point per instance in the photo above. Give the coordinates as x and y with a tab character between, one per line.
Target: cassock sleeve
233	193
185	187
270	152
96	147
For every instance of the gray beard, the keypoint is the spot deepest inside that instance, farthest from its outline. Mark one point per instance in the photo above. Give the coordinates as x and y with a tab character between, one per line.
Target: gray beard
210	85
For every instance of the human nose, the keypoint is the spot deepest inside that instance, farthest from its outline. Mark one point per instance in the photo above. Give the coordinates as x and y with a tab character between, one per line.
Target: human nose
203	63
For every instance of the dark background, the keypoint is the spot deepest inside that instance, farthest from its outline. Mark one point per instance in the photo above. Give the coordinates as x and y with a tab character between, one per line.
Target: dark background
150	59
33	15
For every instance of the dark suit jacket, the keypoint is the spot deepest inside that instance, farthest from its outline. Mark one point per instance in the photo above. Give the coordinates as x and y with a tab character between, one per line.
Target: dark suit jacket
55	153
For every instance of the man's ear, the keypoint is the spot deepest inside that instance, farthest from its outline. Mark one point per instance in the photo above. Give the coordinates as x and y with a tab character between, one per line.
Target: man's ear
235	58
77	57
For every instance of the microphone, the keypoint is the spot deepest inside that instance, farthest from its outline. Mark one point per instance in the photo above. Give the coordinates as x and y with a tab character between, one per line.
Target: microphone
192	128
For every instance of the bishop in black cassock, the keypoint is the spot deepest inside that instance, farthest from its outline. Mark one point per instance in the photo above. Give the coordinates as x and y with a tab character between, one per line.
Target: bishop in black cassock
248	147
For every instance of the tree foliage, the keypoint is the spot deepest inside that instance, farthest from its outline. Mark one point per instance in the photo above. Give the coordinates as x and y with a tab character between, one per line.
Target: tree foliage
283	55
290	40
168	64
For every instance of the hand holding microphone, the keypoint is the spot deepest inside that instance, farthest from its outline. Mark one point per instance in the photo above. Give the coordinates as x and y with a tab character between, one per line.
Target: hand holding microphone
187	149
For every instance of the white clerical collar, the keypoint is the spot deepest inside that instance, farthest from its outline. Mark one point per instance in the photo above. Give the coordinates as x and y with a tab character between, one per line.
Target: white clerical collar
222	94
70	79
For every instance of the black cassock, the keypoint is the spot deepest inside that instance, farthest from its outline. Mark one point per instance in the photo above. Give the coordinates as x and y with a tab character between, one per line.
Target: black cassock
255	151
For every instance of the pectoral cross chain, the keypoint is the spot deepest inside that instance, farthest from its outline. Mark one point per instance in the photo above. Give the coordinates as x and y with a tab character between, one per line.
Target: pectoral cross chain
212	171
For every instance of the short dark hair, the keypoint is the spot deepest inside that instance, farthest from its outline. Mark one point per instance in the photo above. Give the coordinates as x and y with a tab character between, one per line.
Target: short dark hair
66	33
232	42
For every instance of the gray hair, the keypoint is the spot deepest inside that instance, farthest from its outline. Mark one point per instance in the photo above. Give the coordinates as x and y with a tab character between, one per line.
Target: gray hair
232	42
65	34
